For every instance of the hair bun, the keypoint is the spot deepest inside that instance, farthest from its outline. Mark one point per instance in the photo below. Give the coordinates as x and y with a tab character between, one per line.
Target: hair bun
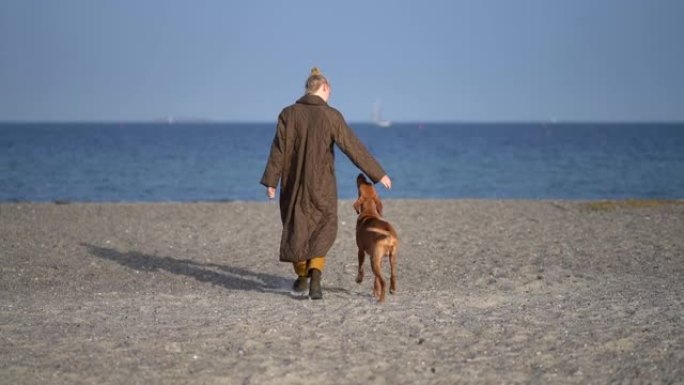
315	71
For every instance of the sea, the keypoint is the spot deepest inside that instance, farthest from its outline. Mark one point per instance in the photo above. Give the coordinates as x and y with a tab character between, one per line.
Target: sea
189	162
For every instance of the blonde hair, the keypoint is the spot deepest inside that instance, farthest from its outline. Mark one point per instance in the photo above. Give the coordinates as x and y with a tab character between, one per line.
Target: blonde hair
315	81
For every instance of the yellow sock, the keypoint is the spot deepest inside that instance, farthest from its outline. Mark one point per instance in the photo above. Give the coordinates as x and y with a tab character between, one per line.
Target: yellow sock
300	268
317	263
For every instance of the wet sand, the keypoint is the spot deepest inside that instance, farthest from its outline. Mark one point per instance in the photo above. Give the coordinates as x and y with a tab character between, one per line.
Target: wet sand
489	292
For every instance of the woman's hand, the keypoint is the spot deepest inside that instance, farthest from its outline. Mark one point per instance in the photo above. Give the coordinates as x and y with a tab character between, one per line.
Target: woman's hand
386	181
270	191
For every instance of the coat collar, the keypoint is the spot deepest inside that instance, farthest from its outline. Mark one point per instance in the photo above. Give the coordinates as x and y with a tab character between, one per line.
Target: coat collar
312	100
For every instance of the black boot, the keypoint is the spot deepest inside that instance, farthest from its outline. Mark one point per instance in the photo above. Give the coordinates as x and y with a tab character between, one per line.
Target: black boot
315	291
301	284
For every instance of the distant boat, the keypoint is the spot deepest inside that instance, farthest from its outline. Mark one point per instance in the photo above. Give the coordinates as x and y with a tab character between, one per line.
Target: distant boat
376	117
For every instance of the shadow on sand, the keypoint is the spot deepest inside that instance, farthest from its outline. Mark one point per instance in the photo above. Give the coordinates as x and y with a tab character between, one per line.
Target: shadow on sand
231	278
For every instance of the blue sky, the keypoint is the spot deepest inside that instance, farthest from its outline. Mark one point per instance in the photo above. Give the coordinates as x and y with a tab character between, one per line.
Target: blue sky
479	60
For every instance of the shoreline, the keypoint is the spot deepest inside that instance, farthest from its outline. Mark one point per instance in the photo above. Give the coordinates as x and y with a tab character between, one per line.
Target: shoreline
628	201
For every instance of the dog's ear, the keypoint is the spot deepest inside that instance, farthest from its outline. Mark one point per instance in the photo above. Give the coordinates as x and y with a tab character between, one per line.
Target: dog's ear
378	205
361	179
357	206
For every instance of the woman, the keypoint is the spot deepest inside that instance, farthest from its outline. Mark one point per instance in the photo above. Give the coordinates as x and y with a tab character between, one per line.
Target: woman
302	158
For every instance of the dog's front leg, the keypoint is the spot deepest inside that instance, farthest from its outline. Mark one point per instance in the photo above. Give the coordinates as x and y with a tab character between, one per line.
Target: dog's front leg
362	257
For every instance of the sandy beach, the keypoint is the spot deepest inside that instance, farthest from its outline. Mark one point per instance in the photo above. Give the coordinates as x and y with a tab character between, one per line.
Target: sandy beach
489	292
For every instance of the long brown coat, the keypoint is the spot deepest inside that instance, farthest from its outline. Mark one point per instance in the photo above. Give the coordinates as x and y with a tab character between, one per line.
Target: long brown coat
302	157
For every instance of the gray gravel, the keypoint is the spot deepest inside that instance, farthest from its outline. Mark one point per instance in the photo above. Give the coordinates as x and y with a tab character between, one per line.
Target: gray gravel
489	292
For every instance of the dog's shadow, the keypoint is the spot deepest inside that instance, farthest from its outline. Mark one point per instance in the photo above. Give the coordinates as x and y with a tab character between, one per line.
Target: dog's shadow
231	278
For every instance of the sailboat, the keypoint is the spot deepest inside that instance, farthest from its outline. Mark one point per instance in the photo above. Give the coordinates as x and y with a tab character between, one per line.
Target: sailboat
376	117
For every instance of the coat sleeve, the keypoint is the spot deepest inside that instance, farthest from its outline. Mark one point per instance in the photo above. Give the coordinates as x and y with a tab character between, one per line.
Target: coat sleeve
349	143
274	165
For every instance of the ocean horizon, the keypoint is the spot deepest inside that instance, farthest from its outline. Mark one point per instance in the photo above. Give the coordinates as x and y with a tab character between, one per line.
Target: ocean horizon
176	120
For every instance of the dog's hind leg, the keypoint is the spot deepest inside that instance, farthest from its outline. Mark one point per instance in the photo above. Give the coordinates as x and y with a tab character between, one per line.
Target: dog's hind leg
380	284
393	268
362	257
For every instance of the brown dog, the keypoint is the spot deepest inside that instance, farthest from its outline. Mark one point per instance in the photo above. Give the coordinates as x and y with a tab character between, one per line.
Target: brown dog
374	236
